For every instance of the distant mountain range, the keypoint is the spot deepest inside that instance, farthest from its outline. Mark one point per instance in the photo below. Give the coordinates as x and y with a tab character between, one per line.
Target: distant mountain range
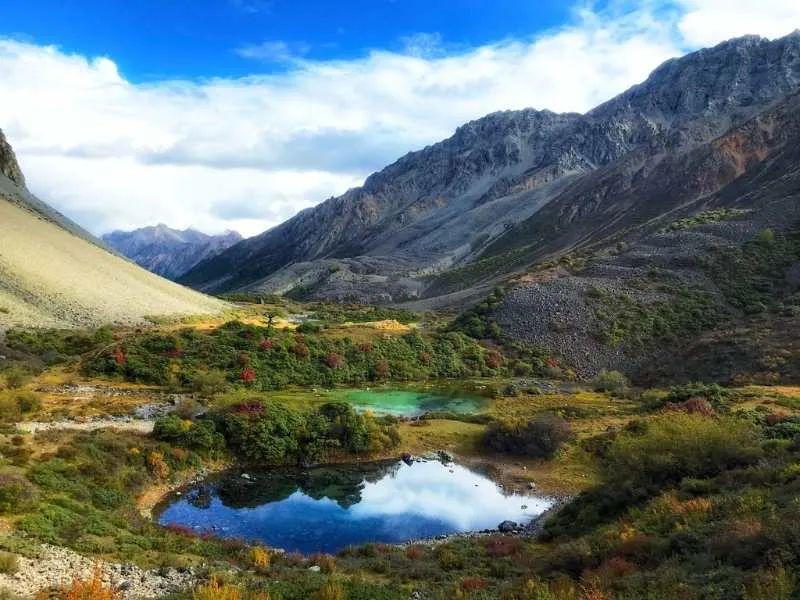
55	274
169	252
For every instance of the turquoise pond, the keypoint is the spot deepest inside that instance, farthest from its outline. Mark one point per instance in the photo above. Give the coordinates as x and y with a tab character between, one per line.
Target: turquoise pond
326	509
408	403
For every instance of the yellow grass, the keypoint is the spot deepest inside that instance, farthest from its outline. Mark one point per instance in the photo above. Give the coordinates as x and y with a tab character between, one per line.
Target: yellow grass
49	277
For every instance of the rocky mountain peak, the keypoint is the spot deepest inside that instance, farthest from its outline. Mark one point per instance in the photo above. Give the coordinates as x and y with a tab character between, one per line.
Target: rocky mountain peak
169	252
8	162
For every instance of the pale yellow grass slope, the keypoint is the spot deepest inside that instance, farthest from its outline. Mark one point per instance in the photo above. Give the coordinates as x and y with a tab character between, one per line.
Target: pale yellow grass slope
50	277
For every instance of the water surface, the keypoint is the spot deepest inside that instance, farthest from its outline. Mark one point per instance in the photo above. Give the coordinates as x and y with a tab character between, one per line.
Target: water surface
407	403
326	509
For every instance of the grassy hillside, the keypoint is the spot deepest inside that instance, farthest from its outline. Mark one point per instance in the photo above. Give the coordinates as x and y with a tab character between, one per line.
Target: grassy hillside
50	277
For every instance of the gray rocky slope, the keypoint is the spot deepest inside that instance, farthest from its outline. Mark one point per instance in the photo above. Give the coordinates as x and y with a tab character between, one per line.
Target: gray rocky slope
169	252
514	188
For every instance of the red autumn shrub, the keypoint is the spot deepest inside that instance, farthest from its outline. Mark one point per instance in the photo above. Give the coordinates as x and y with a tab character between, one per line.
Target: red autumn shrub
415	552
499	546
119	356
494	360
249	408
776	417
693	406
248	375
266	345
334	361
366	347
179	529
382	369
473	584
300	350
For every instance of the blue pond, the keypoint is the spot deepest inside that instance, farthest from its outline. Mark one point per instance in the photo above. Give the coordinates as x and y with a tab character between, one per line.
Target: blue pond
326	509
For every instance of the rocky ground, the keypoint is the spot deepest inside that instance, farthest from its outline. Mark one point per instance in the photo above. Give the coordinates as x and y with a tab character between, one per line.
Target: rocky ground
53	567
556	310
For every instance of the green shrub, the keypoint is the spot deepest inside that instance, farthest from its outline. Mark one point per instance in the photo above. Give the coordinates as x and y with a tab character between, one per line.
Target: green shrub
16	377
540	438
9	563
680	445
27	401
17	494
612	382
198	435
273	433
717	395
209	383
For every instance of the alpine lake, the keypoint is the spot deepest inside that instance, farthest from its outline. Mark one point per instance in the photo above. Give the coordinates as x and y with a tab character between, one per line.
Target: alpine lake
328	508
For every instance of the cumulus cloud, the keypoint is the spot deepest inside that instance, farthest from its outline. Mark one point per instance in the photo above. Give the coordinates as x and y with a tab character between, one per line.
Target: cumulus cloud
247	153
707	22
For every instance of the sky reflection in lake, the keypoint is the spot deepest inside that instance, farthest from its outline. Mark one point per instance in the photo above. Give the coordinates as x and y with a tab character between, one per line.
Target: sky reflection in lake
326	509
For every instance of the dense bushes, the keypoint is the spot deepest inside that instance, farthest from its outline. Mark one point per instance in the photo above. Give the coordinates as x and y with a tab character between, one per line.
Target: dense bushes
272	433
670	447
17	494
478	321
15	404
268	360
56	345
612	382
539	438
199	435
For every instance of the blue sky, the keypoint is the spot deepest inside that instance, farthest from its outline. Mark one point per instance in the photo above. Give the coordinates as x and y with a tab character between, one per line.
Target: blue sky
236	114
156	39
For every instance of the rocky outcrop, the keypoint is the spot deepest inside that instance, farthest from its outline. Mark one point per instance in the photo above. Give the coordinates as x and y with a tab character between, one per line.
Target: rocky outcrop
52	567
753	173
513	187
169	252
8	162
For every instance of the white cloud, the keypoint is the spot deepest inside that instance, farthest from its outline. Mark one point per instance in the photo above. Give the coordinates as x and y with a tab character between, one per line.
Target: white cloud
707	22
247	153
274	51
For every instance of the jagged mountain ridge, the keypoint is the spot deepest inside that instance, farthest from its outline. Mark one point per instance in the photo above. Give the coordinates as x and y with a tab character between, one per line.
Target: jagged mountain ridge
169	252
473	196
55	274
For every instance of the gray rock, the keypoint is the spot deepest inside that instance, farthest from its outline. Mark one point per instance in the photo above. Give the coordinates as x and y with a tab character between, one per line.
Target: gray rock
507	527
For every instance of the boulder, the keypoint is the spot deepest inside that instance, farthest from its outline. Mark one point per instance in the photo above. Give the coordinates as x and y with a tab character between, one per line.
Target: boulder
507	527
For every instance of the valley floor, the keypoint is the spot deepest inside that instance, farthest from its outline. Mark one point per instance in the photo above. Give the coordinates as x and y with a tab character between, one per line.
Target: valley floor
665	483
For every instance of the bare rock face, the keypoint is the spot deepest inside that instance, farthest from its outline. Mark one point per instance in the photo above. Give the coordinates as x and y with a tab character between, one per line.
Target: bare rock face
510	188
8	162
169	252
